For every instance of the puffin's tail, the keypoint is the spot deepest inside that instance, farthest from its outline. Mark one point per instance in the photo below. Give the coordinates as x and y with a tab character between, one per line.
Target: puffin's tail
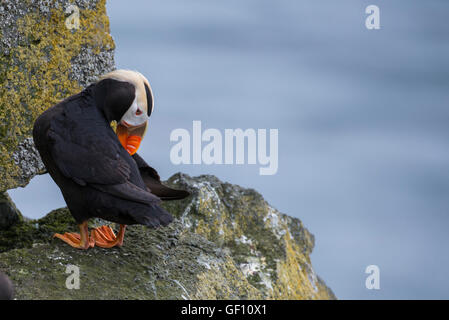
155	217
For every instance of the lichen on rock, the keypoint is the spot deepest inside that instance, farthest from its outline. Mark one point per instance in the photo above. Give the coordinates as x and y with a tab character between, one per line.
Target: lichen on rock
42	62
226	242
271	249
167	263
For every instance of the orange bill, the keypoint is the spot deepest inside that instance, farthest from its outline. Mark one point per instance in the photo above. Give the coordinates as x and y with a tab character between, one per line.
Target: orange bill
129	141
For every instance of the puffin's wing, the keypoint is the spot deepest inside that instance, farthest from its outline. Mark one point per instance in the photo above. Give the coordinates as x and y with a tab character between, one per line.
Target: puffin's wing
91	156
145	168
87	164
128	191
153	182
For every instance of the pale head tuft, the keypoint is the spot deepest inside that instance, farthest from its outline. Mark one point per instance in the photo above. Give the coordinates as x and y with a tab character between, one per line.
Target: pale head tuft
137	80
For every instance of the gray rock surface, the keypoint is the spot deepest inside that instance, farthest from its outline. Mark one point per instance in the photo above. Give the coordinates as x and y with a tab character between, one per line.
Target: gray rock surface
226	242
9	214
42	61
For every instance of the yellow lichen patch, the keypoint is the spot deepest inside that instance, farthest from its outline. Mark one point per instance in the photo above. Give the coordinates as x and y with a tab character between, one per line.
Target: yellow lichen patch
213	224
203	229
35	74
224	282
296	279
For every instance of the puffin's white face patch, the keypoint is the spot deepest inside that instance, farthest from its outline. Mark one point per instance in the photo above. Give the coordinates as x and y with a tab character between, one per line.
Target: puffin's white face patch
138	81
135	116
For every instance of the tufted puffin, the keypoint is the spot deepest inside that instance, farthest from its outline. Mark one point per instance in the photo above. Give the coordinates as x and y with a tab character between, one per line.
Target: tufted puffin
97	169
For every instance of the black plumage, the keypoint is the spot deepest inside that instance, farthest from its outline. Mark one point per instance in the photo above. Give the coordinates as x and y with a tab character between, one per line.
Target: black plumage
96	175
153	182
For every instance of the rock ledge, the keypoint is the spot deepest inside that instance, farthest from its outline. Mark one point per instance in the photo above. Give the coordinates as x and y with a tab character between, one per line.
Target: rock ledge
227	242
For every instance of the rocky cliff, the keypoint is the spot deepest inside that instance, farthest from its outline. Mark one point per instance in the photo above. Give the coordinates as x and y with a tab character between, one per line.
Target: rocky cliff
226	242
44	57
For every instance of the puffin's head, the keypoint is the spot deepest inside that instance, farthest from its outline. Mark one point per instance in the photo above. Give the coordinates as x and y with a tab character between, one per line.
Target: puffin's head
125	96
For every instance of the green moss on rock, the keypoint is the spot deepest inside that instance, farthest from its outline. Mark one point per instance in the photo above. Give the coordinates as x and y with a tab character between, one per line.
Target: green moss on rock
252	252
168	263
25	232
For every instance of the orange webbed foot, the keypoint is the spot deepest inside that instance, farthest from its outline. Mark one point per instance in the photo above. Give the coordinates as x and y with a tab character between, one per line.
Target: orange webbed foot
79	241
106	238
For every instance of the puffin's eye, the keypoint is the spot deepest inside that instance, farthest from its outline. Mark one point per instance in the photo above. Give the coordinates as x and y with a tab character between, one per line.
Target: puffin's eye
138	112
